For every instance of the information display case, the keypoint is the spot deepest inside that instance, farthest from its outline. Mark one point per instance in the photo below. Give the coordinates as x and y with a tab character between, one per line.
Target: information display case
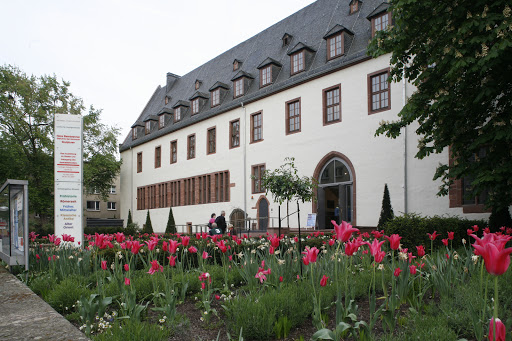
14	222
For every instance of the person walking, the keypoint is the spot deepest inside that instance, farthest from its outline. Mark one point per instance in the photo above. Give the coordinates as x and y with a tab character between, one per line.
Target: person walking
221	221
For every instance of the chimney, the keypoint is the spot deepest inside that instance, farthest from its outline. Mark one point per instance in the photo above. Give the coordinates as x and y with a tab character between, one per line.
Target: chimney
171	79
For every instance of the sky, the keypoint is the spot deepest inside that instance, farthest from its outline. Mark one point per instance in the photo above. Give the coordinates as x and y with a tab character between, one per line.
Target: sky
115	53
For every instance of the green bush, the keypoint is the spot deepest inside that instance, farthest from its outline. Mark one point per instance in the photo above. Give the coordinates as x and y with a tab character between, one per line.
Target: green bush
413	229
43	285
65	294
134	331
148	227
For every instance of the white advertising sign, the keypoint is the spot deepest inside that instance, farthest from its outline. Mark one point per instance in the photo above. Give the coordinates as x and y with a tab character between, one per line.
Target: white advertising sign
68	176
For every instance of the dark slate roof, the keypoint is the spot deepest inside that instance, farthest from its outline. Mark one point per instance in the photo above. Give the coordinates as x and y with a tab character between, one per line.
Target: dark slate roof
267	62
299	47
241	74
166	110
383	7
199	94
307	26
137	124
151	118
337	29
181	103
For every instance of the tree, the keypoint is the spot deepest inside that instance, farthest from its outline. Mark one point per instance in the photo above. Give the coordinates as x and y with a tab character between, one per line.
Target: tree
129	221
148	228
386	212
459	56
27	108
171	225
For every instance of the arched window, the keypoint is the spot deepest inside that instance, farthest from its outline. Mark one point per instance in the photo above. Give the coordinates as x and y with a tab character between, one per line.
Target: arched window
335	172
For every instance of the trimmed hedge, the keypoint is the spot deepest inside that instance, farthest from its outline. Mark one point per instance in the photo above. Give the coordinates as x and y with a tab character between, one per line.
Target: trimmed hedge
413	229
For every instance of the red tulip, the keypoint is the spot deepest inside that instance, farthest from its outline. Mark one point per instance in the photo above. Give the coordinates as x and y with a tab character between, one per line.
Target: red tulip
374	246
352	246
172	260
397	271
192	249
496	257
126	267
205	255
173	245
470	232
38	257
343	231
311	255
274	241
475	228
500	330
217	297
119	237
445	242
165	247
271	250
151	244
185	241
126	281
203	285
433	236
57	241
379	256
280	278
104	264
412	269
323	281
394	241
451	235
378	234
155	267
421	250
411	257
136	246
331	242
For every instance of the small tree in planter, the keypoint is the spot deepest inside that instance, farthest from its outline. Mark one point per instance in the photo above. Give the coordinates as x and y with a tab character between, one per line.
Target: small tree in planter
129	221
386	213
148	228
171	225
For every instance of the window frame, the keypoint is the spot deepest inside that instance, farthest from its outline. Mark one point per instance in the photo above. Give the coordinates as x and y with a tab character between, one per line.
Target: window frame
134	133
215	95
259	167
161	121
208	132
231	145
191	145
175	152
112	190
195	106
341	47
260	126
109	203
158	156
374	19
177	114
266	73
287	116
371	76
238	84
139	162
299	70
326	106
96	206
148	127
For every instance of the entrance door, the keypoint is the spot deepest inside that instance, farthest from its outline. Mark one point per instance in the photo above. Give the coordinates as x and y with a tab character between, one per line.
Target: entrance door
263	214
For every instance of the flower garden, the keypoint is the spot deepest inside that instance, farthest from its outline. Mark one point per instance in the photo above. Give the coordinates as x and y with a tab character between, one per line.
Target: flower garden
339	285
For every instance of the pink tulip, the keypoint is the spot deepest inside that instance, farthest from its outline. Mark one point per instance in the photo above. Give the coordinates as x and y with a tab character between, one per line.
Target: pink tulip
445	242
222	246
475	228
271	250
394	241
57	241
378	234
120	237
205	255
173	245
217	297
344	230
185	241
280	278
470	232
500	330
192	249
352	246
311	255
151	244
374	246
379	256
126	267
172	260
126	281
421	250
432	236
136	247
331	242
451	235
323	281
274	241
155	267
397	271
104	264
496	257
412	269
203	286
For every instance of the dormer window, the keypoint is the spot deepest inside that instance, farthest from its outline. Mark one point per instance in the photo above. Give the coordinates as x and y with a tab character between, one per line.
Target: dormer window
161	121
134	133
148	127
338	39
198	84
195	106
177	114
215	97
237	64
354	6
217	93
266	75
180	110
238	87
287	39
380	18
334	46
166	99
297	60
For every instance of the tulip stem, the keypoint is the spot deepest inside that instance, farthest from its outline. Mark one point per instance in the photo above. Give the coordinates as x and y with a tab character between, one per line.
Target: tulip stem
495	305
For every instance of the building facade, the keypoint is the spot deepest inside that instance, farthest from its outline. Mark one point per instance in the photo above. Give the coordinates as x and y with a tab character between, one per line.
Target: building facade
303	88
95	208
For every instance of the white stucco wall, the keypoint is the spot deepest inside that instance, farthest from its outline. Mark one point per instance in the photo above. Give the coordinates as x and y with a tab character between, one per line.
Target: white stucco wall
376	160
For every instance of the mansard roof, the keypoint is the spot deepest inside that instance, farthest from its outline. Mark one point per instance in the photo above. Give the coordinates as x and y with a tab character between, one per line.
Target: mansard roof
337	29
199	94
299	47
268	61
320	17
181	103
241	74
151	118
166	110
383	7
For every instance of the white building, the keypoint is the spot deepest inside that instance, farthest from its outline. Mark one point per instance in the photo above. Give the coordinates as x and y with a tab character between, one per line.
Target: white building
303	88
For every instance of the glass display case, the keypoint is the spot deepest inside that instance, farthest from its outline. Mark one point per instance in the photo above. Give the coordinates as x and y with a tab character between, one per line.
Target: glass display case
14	222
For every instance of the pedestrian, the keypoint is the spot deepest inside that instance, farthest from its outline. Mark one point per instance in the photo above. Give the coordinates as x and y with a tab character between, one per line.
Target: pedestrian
212	220
221	221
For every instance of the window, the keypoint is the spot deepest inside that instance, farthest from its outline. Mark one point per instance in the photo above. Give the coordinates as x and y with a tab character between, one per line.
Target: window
215	97
166	99
134	133
161	121
257	174
211	147
191	146
234	134
148	127
158	157
297	62
239	87
381	22
198	84
93	205
195	106
177	114
235	65
266	76
111	205
112	190
335	46
293	116
256	127
174	151
378	92
354	6
139	162
332	105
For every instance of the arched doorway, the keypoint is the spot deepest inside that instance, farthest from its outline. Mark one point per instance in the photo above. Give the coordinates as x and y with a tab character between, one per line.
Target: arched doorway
262	206
237	219
336	190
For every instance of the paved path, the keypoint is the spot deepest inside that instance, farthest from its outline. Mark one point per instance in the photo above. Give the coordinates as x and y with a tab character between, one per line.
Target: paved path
25	316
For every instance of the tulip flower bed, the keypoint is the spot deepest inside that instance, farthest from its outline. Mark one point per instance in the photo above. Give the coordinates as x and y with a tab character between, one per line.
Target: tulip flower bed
338	286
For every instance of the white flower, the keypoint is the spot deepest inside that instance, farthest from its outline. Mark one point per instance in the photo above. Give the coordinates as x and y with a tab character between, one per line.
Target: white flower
70	257
381	267
463	241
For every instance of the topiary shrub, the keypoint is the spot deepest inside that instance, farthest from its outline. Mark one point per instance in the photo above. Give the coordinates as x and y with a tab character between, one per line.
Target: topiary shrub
413	229
499	218
129	221
171	225
386	213
148	228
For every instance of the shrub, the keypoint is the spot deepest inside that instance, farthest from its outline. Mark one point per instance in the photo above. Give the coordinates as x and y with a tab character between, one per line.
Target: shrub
413	229
499	218
130	220
256	320
134	331
171	225
148	228
386	213
66	293
43	285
